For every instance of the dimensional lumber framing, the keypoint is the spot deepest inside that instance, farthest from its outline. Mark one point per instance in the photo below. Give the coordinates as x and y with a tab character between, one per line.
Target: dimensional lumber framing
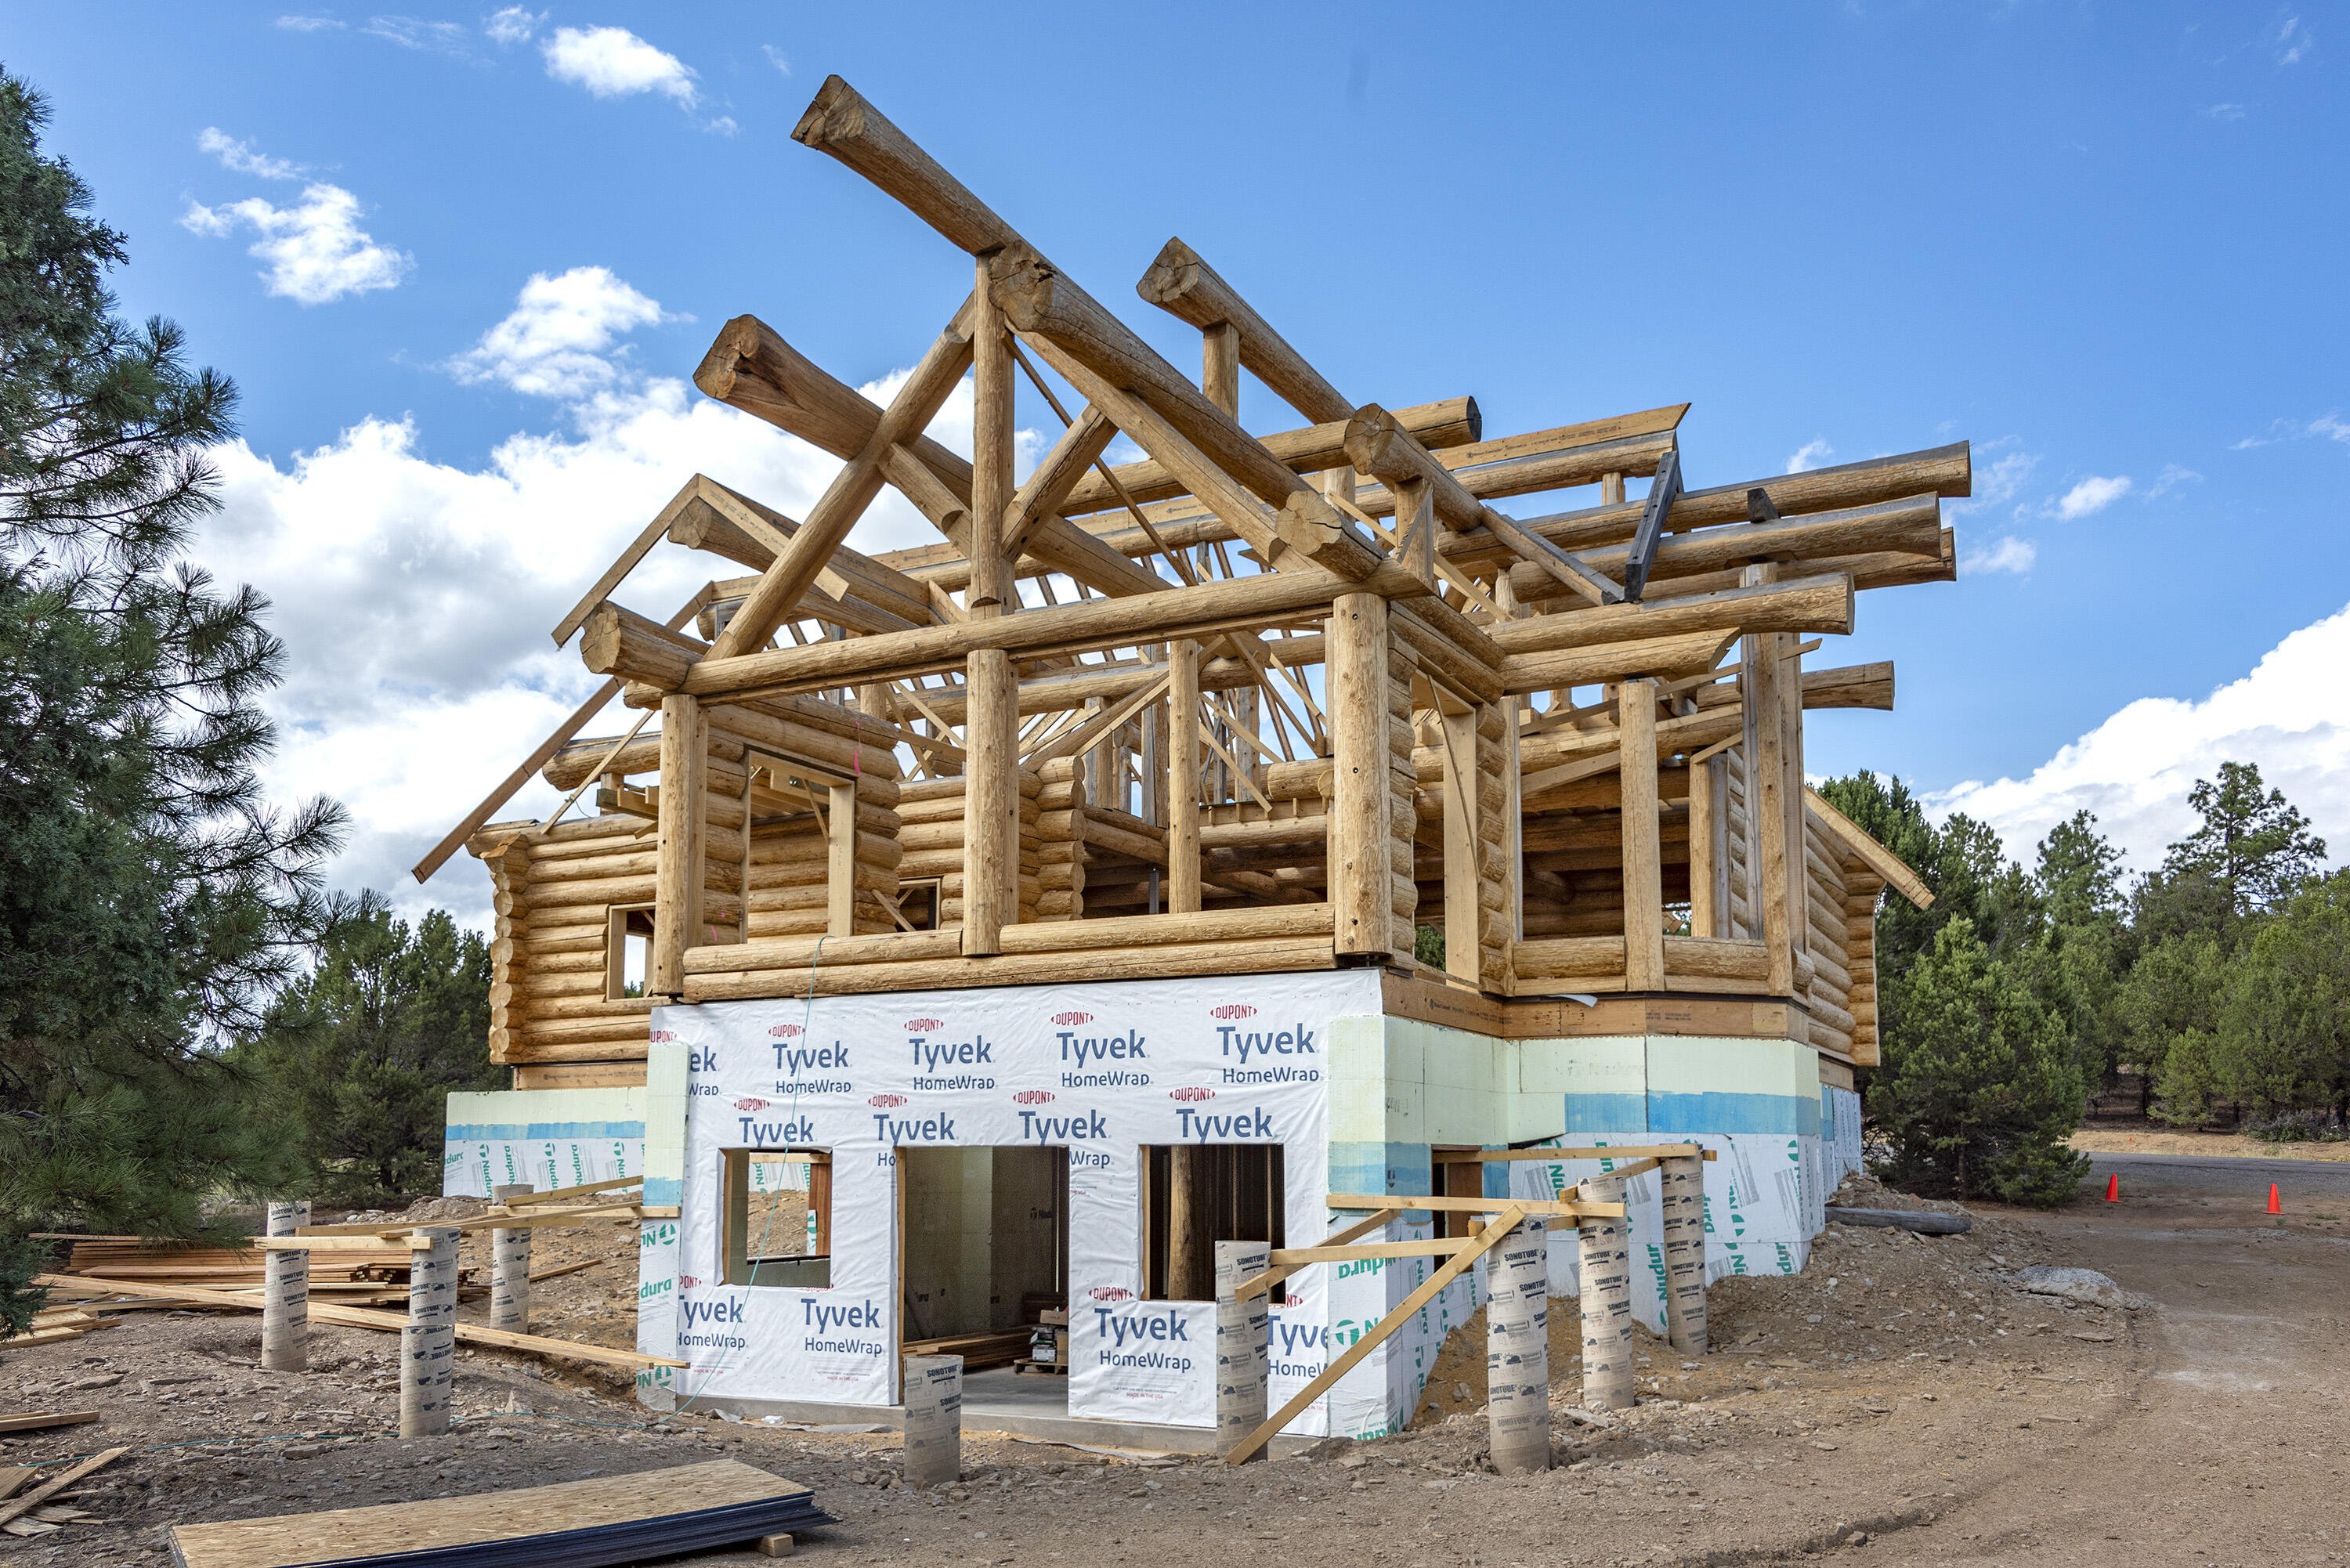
1248	703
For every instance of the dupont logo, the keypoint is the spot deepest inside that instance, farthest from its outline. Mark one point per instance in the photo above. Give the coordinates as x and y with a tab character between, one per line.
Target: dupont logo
1193	1094
785	1031
921	1025
886	1102
660	1036
1233	1010
1032	1098
1072	1018
1110	1294
750	1105
689	1282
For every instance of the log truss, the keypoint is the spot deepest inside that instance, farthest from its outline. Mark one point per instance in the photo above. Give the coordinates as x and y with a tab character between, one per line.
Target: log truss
1250	702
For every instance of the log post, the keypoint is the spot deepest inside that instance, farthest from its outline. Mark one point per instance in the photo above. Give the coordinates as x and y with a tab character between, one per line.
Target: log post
933	1419
1463	951
991	893
1605	1265
1682	1179
1190	1263
510	1268
1517	1350
427	1343
678	874
1766	794
285	1296
1244	1329
1644	885
990	848
1360	873
840	863
1183	778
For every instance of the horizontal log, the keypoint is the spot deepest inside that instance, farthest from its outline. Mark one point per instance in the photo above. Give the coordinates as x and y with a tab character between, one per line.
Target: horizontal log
1666	657
1820	603
1941	471
1452	422
1282	920
1912	525
1173	961
1565	956
1713	959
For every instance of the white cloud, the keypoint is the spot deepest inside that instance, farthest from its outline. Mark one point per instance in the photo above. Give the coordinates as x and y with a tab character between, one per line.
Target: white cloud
612	62
723	126
412	33
2171	478
2007	553
2293	42
415	597
777	58
2290	716
553	343
1809	455
241	156
316	251
2224	112
512	25
2330	427
2091	496
309	24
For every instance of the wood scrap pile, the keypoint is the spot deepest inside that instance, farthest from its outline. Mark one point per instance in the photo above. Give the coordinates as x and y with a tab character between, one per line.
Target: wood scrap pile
35	1513
979	1351
358	1277
53	1326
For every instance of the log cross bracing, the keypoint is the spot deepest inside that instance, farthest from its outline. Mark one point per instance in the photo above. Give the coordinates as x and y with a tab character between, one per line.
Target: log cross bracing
1207	714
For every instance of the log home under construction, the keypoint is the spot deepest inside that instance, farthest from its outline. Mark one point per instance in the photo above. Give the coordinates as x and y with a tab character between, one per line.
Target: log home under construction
986	928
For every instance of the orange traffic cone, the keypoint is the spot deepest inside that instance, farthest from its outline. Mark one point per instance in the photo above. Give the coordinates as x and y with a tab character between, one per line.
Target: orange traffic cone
2274	1207
2113	1188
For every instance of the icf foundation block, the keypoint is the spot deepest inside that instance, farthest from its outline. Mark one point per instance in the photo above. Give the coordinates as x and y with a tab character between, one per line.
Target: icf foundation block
1517	1349
285	1296
1242	1355
1605	1257
933	1419
510	1270
427	1343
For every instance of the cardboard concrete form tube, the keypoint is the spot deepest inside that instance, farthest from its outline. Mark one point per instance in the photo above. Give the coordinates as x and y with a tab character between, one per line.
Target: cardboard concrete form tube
510	1268
1242	1344
1517	1349
286	1295
934	1403
428	1342
1606	1271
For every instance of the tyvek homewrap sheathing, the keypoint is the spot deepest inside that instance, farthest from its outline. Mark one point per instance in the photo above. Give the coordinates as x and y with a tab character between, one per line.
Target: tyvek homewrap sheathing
1099	1070
1359	1100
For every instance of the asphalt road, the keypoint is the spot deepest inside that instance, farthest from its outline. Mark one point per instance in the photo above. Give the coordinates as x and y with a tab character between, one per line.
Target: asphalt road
2220	1180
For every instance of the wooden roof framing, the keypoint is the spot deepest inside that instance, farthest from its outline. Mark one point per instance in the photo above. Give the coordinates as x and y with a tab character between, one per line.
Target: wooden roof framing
1202	586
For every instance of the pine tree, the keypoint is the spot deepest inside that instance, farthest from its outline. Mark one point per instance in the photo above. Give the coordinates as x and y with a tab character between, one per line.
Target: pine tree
2285	1039
2250	853
149	898
360	1056
1979	1092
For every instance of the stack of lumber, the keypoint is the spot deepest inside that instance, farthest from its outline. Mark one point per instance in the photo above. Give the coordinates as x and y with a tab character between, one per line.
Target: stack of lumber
580	1524
56	1324
369	1276
979	1351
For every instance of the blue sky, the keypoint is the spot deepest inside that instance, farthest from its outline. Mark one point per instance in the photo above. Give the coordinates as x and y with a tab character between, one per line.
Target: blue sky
2103	242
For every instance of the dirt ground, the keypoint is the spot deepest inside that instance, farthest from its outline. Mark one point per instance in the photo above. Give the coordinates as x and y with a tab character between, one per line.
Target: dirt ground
2151	1137
1897	1403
